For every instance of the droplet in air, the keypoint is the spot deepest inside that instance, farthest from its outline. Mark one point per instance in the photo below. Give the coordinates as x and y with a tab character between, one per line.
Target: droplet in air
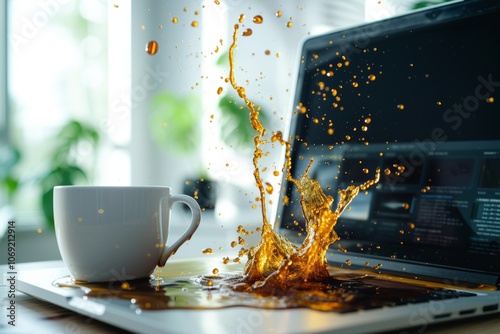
258	19
208	251
152	47
247	32
269	188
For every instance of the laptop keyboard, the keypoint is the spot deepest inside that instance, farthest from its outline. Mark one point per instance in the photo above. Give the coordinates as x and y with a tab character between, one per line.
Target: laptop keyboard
370	293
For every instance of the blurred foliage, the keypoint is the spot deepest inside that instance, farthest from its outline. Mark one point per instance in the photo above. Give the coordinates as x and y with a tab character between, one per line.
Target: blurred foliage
9	158
236	130
423	4
175	122
62	165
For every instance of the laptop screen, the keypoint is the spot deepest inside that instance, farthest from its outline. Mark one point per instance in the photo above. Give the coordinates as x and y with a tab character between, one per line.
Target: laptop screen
417	96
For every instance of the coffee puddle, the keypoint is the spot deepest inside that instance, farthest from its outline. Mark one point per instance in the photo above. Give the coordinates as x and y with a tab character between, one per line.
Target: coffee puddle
185	285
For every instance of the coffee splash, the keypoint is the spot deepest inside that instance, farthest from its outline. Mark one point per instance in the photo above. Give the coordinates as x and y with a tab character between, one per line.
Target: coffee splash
275	263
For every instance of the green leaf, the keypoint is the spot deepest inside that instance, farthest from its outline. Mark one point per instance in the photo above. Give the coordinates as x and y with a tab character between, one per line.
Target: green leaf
223	60
423	4
175	122
69	136
59	176
236	130
10	185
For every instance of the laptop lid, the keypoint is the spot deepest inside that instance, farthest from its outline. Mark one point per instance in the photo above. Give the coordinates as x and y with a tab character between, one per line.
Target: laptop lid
417	96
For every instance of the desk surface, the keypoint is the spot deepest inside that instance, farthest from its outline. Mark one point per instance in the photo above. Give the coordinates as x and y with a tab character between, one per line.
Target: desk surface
33	315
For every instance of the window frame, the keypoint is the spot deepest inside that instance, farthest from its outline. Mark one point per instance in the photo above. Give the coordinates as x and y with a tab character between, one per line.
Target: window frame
4	110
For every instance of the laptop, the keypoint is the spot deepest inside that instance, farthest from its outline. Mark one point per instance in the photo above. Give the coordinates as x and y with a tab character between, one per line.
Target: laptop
416	96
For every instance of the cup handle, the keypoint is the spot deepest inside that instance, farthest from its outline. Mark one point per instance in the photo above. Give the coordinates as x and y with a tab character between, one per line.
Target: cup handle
193	225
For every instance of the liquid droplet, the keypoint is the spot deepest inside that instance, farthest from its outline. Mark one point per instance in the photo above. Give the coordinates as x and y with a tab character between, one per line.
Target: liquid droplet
152	47
208	251
269	188
126	286
247	32
258	19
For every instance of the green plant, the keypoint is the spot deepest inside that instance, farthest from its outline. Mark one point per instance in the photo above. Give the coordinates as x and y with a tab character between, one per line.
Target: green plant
175	122
423	4
236	130
9	183
62	167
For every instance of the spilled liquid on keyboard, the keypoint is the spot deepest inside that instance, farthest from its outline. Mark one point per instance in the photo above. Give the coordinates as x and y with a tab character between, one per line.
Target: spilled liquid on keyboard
277	274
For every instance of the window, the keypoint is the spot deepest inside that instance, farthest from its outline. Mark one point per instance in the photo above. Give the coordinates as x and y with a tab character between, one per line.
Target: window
56	77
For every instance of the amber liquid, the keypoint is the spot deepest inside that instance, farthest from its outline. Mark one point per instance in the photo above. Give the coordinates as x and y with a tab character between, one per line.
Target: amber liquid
278	274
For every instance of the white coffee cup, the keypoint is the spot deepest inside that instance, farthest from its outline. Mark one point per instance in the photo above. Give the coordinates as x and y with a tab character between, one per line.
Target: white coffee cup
108	233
